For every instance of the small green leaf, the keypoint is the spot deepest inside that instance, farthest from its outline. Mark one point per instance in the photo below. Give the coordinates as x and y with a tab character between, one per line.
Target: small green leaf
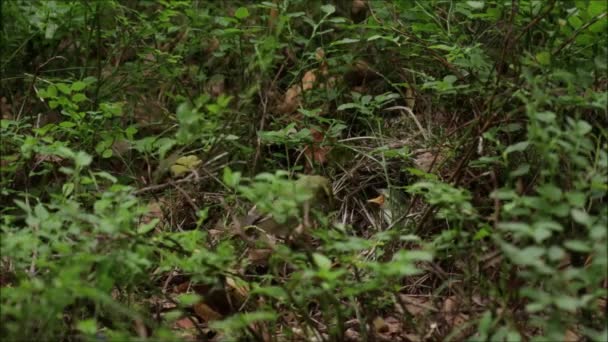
79	97
64	88
82	159
88	326
321	261
476	4
328	9
241	13
543	58
78	86
188	299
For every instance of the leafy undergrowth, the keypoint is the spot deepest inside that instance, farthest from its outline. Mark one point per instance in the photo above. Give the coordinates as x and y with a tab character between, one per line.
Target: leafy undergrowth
304	171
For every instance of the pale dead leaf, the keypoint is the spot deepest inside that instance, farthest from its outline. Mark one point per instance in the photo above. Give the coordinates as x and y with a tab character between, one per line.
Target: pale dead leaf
380	325
319	54
352	335
240	291
410	100
358	6
206	313
309	79
259	256
450	310
184	323
415	305
155	211
571	336
291	100
425	160
377	200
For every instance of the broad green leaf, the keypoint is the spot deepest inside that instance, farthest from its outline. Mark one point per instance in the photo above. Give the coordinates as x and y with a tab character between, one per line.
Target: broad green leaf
241	13
78	86
476	4
544	57
328	9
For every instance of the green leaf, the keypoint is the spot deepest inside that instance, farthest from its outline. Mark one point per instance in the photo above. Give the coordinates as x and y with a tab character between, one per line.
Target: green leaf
241	13
188	299
328	9
544	57
88	326
64	88
321	261
577	246
82	159
476	4
78	86
147	227
519	147
79	97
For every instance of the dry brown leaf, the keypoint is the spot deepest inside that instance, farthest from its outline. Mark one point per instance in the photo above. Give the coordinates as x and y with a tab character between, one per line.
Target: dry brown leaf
572	336
352	335
415	305
240	291
424	161
450	310
358	6
309	79
319	54
316	152
155	211
259	256
410	100
380	325
5	109
291	100
184	323
377	200
206	313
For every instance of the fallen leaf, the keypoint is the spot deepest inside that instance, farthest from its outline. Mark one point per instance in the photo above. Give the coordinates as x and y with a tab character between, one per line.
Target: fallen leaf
309	79
416	305
291	100
206	313
240	291
571	336
184	164
425	160
380	325
184	323
259	256
358	6
450	310
378	200
315	151
319	54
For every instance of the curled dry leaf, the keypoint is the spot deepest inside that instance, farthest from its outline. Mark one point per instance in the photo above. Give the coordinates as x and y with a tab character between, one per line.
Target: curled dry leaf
358	6
239	291
291	100
319	54
415	305
450	310
206	313
259	256
424	161
309	79
155	211
184	323
315	151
